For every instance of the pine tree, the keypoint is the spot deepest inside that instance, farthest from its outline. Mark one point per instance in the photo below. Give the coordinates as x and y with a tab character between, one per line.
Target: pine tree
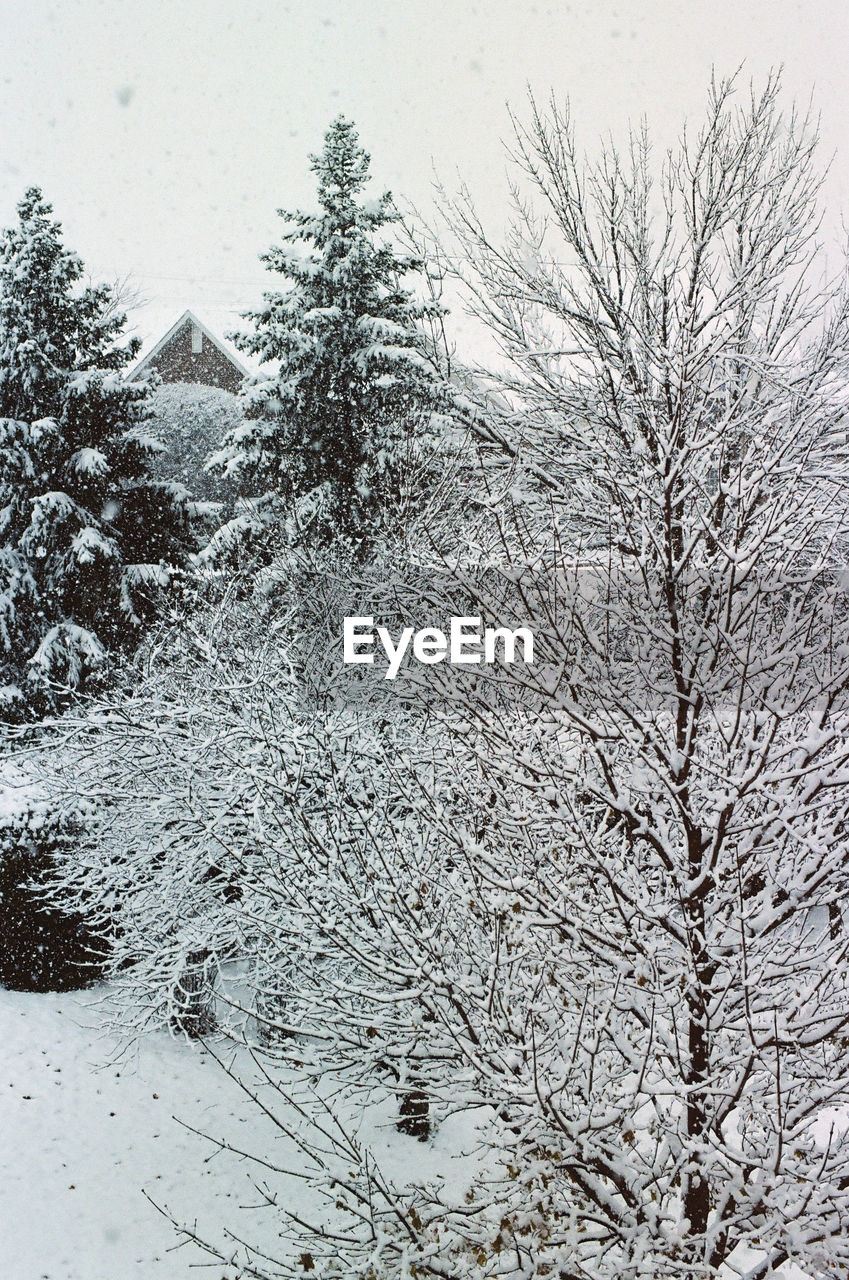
86	538
356	376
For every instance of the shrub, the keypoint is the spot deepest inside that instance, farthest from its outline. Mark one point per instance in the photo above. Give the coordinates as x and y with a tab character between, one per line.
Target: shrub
42	948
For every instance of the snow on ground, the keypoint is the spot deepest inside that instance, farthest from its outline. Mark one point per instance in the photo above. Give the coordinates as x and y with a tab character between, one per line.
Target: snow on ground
88	1125
83	1131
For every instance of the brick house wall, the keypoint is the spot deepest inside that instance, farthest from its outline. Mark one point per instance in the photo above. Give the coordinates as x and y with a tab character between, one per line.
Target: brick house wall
189	356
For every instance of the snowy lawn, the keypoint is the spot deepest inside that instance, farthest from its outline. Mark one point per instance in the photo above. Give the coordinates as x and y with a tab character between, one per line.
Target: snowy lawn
83	1131
88	1126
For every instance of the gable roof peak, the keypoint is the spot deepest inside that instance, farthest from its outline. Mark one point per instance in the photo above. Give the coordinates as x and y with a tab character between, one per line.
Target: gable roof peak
187	317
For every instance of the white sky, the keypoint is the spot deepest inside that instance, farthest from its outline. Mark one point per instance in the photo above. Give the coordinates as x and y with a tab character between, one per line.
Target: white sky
167	134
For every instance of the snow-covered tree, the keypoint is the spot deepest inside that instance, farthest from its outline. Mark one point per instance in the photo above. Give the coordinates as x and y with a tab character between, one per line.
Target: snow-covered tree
191	421
589	912
179	868
86	537
355	382
621	945
648	1011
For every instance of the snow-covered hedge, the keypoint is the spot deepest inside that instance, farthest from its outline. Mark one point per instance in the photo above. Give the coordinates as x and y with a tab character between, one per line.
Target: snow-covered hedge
41	947
191	421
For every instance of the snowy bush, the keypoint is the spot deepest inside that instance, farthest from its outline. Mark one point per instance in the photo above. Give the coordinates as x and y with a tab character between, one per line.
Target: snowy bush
180	871
191	420
460	918
41	947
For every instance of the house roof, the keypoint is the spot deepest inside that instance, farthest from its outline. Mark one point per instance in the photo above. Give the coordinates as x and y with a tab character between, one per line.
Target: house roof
225	349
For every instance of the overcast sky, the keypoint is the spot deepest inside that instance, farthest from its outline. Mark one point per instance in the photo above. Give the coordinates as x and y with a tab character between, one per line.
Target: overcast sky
167	134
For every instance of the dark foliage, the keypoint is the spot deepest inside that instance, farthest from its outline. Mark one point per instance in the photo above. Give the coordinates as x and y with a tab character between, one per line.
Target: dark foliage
41	947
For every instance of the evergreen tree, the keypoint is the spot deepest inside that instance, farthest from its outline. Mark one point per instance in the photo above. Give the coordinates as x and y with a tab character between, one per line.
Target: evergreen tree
86	538
356	378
